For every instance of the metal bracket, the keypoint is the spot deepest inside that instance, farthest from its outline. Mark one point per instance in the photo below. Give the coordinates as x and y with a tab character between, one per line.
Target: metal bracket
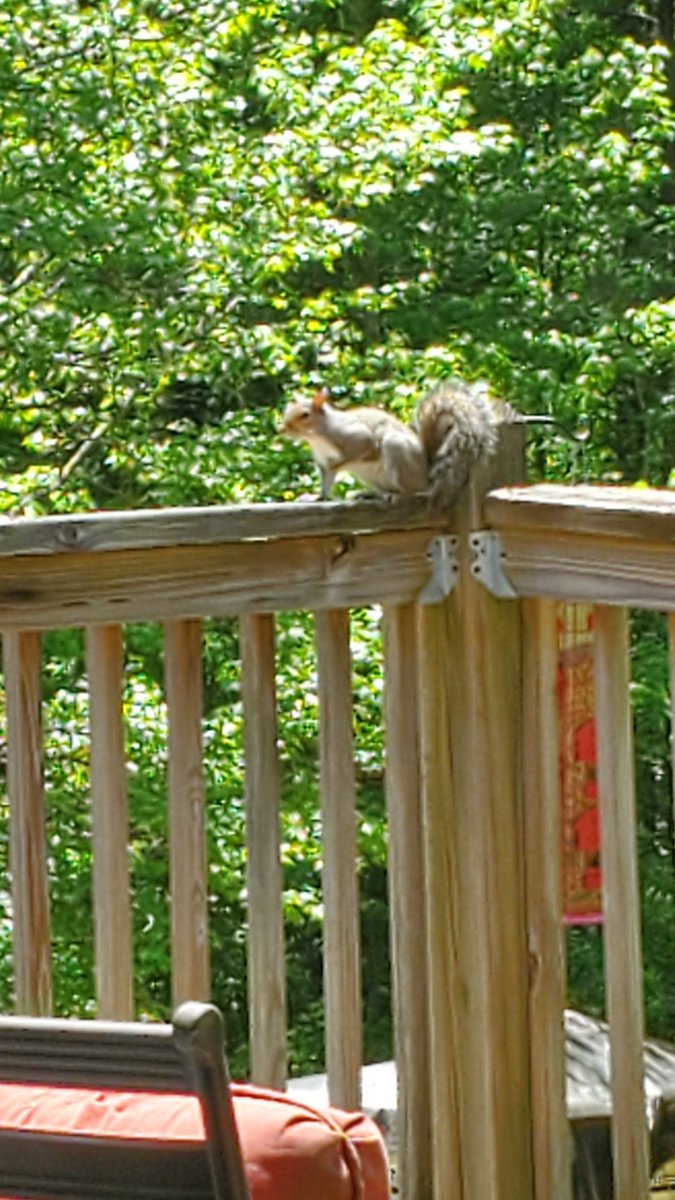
444	559
488	564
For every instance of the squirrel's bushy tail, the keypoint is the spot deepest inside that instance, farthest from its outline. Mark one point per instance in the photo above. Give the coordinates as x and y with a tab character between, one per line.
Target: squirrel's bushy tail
457	424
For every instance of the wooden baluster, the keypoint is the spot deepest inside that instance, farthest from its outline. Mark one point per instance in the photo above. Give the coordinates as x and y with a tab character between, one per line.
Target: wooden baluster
407	883
28	850
623	962
543	831
342	941
187	812
448	1008
264	881
671	631
110	823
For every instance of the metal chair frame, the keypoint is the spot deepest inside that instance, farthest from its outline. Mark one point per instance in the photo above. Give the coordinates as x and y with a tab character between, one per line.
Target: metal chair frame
186	1056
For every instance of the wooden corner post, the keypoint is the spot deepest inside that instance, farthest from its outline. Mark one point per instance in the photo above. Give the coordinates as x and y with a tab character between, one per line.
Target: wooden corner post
470	706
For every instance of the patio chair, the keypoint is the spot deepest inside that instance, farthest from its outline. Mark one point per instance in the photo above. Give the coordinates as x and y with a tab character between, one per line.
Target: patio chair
75	1122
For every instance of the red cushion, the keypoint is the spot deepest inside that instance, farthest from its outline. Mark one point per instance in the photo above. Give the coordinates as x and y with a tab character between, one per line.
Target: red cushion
291	1150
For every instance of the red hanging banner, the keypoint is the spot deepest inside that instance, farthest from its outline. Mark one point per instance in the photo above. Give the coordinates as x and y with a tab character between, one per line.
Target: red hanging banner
581	871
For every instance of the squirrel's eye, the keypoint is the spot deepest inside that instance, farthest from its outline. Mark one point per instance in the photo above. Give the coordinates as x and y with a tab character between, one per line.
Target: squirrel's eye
304	416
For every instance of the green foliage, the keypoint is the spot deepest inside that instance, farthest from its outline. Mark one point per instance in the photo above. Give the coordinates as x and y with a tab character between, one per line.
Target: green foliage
656	835
204	210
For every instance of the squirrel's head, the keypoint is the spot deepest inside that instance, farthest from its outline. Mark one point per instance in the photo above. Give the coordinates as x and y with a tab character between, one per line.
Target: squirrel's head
301	417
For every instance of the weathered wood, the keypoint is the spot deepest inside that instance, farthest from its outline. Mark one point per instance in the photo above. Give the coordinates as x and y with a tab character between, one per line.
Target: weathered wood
617	512
191	975
110	824
341	925
470	679
266	958
43	592
542	830
448	1009
146	529
573	565
602	544
671	645
407	883
28	848
613	511
623	964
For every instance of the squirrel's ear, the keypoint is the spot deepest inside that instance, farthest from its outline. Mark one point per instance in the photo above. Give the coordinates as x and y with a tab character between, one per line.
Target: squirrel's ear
320	398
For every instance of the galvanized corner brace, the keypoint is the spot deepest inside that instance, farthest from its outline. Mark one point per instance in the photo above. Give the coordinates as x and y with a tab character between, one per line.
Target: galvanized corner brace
488	564
444	558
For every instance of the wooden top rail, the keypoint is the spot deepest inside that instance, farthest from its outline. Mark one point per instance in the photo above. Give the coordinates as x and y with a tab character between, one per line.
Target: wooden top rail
144	529
611	545
646	513
605	544
164	564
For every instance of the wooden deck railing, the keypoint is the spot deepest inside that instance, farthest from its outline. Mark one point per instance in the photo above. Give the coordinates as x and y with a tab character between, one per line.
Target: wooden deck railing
472	784
616	548
106	570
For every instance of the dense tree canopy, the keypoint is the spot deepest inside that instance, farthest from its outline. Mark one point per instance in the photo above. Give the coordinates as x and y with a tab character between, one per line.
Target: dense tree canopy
207	207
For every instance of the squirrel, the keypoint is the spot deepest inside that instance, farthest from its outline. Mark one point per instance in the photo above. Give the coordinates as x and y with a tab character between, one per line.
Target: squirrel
453	427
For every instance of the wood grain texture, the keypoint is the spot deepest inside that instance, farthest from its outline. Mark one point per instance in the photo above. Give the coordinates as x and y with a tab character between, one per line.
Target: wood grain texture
191	974
43	592
264	883
407	884
146	529
671	647
31	940
616	512
573	565
546	939
621	897
110	824
341	922
471	712
445	950
603	544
